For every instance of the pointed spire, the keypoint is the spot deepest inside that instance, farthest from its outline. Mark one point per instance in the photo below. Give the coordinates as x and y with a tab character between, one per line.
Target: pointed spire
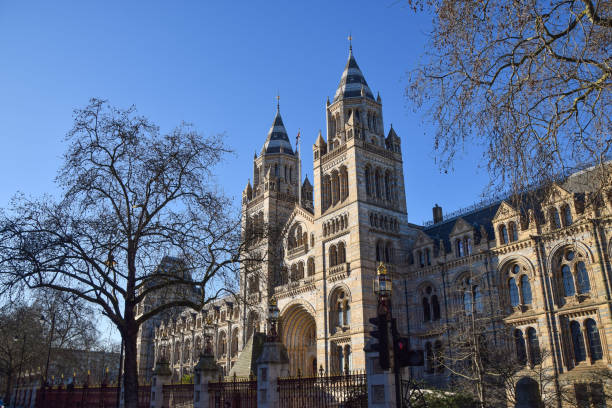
328	101
352	80
320	142
278	139
378	97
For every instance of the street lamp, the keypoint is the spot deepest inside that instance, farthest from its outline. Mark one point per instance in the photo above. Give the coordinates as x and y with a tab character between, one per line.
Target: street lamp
208	334
42	322
273	316
382	284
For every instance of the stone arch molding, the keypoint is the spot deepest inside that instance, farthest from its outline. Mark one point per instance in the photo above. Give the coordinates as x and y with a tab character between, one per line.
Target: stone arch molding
335	288
520	259
298	302
567	243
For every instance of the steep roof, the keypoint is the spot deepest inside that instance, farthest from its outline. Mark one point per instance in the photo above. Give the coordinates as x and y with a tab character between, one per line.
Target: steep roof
277	137
477	218
352	81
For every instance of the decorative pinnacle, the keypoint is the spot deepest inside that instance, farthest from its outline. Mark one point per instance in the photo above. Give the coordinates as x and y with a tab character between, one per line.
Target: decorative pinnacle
350	38
277	102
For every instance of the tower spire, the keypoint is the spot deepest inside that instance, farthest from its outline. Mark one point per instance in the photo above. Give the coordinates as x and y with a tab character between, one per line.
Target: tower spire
350	38
277	102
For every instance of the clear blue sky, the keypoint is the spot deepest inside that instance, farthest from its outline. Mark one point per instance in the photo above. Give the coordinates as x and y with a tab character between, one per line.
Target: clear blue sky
217	65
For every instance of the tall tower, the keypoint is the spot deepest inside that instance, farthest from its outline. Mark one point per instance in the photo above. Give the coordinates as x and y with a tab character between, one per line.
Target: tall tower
266	206
358	181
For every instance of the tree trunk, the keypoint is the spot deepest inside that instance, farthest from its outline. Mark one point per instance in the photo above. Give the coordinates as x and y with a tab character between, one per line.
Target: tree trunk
130	373
9	384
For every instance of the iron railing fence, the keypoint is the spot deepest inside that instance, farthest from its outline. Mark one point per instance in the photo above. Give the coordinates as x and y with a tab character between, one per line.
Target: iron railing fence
347	390
87	397
235	393
178	396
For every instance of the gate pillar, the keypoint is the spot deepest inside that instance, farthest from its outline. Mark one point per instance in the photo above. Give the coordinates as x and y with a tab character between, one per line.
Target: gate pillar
381	383
206	370
161	376
271	364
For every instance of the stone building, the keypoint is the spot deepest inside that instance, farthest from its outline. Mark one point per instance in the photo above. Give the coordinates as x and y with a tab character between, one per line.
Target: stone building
543	270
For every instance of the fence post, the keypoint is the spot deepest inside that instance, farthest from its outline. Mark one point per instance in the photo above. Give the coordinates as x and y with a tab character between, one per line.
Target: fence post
381	383
161	376
271	364
206	370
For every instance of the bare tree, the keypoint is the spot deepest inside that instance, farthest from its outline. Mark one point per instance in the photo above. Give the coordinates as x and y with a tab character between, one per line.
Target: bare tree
528	81
131	197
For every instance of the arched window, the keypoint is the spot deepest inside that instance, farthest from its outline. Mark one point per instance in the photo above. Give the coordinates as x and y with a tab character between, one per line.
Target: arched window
513	231
555	220
388	186
429	358
514	294
503	235
467	246
534	346
348	359
368	178
379	252
426	310
439	357
341	253
594	340
526	290
578	342
467	301
568	281
478	299
311	266
276	170
435	308
582	278
377	183
388	253
459	249
519	343
567	215
300	272
427	256
421	258
333	256
347	314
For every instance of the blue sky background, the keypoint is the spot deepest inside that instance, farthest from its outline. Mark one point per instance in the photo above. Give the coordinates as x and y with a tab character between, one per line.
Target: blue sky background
218	65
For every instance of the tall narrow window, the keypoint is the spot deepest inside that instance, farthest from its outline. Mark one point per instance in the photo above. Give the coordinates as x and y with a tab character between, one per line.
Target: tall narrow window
582	278
568	281
435	307
427	256
567	215
478	299
519	342
377	183
429	358
534	346
514	294
594	340
578	342
368	177
467	301
555	220
526	290
347	314
503	234
513	231
426	310
439	357
421	259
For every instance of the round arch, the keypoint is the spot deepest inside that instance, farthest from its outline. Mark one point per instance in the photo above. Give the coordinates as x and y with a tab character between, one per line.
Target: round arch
298	334
517	259
559	248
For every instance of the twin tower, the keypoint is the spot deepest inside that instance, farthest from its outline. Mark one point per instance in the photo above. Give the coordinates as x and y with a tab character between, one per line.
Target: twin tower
324	241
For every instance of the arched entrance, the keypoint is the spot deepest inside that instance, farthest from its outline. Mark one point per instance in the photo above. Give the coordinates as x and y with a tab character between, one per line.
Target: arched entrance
298	330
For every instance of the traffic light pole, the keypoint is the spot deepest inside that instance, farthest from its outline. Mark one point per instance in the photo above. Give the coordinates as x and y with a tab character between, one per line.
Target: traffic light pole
396	365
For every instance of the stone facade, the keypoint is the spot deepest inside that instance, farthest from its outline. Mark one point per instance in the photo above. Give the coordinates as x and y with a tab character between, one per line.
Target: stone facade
323	242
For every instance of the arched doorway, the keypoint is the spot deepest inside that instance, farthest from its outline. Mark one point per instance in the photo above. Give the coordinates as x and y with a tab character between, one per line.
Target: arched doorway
298	330
527	394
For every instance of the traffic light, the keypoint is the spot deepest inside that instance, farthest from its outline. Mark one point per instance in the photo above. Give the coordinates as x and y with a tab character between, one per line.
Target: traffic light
382	335
405	356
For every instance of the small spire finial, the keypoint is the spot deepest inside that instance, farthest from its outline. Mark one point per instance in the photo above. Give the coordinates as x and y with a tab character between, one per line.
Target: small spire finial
277	101
350	38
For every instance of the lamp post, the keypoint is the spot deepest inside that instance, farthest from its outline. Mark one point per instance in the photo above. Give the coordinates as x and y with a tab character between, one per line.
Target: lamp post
383	287
273	316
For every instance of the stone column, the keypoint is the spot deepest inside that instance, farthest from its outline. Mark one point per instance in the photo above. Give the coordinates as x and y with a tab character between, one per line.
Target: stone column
271	364
205	371
381	384
161	375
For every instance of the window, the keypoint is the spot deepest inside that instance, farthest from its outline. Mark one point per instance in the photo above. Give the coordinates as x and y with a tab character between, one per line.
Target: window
582	278
513	232
555	220
439	357
567	215
426	310
514	294
377	183
429	358
435	307
526	290
368	177
478	299
428	256
594	340
421	259
568	281
333	256
459	249
311	266
578	342
341	253
519	342
503	235
534	346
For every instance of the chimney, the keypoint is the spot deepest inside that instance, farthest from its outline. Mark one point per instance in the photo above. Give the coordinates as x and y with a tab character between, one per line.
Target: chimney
437	214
